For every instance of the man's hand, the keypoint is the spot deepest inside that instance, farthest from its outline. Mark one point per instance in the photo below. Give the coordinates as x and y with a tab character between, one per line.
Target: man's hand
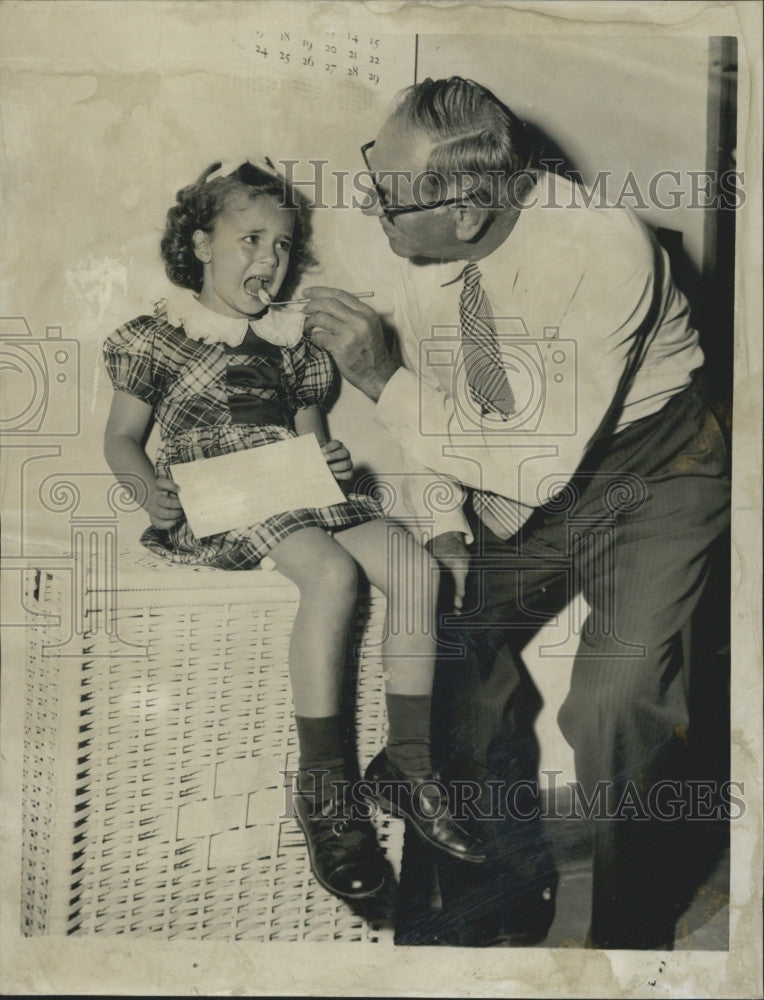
350	330
338	459
163	507
450	551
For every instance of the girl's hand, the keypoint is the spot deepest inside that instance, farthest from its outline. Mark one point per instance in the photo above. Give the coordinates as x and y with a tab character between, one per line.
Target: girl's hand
164	508
338	459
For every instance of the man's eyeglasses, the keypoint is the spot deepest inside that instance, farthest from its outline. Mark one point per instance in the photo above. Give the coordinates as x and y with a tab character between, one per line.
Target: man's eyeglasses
392	211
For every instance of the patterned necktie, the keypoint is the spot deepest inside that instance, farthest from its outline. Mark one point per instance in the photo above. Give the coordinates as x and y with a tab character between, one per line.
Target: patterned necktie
489	388
483	366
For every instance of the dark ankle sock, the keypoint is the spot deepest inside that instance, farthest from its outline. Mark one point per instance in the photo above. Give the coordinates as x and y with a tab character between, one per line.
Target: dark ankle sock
408	740
321	757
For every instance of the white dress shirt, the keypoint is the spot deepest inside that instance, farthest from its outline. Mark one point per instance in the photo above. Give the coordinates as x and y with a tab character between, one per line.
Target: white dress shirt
574	292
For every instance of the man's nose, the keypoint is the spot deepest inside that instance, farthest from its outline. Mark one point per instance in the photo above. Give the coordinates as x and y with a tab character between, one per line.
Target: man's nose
373	205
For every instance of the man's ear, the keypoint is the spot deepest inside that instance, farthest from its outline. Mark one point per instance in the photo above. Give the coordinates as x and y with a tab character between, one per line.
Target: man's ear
201	246
469	222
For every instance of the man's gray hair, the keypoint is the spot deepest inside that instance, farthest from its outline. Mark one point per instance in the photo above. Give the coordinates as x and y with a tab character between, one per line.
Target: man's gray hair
476	138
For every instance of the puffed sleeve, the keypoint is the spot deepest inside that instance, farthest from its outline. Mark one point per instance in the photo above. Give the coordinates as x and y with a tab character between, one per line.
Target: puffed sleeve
135	360
310	376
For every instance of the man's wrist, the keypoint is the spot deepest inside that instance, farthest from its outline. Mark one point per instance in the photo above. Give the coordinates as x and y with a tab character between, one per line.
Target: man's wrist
375	385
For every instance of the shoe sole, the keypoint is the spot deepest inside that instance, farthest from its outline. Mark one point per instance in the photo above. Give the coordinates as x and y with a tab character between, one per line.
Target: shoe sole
392	810
326	885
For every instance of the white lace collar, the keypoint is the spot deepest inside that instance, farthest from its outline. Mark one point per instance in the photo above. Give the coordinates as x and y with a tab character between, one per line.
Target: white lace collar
282	327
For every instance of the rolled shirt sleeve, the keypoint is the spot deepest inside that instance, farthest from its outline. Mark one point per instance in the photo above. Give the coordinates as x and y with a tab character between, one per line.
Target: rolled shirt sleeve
431	500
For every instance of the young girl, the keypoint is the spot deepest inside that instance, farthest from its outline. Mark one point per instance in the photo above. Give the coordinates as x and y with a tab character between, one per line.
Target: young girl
221	370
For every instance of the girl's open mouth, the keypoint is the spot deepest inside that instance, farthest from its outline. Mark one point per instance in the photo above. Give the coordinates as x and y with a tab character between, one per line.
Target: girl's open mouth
255	286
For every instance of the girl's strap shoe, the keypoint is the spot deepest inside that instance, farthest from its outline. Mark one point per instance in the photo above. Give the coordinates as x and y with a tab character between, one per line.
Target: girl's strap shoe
344	854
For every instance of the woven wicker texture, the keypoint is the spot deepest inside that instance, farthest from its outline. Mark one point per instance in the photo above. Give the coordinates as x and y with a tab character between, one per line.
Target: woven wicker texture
155	800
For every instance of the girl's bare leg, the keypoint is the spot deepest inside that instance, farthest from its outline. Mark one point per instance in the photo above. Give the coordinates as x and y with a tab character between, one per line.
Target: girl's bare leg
407	574
394	562
327	578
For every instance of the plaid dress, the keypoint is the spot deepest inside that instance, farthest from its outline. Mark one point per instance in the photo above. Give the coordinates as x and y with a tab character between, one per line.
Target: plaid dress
211	399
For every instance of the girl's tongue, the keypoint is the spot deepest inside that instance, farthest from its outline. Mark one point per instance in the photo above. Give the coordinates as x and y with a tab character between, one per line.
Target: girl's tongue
255	286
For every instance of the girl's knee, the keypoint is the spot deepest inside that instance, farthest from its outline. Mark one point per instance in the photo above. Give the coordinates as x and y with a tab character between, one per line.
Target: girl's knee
412	567
316	563
337	575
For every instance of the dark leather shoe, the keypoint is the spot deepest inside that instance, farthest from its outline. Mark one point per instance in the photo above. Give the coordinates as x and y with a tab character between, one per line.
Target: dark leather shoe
423	802
344	854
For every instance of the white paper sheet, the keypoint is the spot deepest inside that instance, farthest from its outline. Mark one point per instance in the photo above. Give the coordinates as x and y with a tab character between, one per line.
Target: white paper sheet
234	491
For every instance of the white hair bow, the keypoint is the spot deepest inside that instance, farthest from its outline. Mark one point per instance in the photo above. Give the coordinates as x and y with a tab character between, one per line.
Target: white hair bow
229	167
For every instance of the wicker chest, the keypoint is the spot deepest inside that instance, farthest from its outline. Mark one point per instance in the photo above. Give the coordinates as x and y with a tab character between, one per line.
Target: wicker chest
158	744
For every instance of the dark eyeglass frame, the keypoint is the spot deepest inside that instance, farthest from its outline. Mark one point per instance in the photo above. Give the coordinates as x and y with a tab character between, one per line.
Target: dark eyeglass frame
391	212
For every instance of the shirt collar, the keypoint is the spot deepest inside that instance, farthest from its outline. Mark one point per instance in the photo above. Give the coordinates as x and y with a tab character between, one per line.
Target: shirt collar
282	327
454	270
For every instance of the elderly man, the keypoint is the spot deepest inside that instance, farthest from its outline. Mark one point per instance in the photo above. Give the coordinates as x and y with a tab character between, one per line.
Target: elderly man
586	460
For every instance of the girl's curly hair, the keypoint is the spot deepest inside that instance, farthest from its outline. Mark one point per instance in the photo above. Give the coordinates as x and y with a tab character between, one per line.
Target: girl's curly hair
199	204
